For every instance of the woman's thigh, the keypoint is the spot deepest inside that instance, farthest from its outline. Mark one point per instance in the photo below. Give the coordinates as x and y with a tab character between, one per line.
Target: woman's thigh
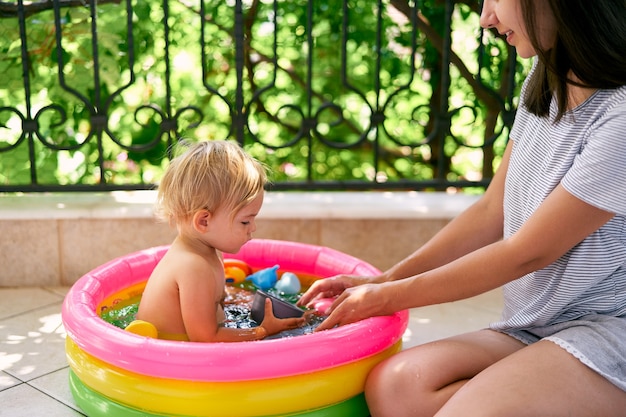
539	380
418	381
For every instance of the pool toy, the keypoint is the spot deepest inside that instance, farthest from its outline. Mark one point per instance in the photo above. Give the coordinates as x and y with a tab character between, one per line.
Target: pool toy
280	308
265	278
117	372
288	283
143	328
236	271
234	275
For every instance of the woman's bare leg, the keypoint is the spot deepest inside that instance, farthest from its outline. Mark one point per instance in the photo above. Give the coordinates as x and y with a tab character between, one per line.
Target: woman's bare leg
539	380
419	381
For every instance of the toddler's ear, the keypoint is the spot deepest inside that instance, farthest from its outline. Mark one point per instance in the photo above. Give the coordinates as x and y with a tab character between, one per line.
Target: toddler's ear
201	220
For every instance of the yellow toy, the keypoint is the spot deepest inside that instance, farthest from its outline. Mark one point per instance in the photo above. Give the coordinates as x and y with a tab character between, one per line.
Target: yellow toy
236	271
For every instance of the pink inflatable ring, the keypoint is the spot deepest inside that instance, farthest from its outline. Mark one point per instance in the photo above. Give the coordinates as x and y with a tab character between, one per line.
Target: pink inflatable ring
99	346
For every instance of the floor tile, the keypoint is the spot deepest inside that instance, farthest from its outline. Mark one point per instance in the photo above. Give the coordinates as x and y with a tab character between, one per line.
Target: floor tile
22	299
33	344
7	381
61	291
490	302
440	321
26	401
56	385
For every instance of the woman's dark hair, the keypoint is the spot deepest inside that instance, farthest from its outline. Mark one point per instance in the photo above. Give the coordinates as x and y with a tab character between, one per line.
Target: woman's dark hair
590	41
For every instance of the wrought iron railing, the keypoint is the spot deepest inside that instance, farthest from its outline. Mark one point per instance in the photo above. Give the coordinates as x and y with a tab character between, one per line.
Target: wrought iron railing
332	95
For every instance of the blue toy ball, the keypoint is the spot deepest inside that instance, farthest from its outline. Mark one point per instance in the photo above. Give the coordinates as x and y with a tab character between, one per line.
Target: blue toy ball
288	283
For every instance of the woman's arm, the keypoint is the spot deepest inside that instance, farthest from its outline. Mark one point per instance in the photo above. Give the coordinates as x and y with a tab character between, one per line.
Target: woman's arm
479	225
560	222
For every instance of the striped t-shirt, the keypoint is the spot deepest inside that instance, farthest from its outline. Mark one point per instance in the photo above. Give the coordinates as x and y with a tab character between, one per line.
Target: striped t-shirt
586	152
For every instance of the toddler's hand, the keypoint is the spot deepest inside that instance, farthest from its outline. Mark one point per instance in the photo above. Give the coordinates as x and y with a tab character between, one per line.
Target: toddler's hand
275	325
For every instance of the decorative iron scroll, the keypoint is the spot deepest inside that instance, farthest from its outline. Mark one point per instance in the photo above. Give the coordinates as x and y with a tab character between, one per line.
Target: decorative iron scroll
333	95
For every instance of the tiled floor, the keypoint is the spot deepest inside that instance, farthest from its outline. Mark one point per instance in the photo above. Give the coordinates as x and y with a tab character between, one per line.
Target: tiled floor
34	372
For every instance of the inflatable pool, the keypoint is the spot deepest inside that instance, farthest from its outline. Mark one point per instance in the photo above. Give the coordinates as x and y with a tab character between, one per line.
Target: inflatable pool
117	373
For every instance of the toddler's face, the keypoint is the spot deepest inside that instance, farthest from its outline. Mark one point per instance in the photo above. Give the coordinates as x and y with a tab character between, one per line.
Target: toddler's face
229	233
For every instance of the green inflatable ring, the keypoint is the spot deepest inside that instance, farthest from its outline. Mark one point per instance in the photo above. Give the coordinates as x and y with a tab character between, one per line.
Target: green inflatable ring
97	405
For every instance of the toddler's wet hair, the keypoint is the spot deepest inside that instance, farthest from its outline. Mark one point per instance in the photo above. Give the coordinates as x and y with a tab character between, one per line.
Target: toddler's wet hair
209	175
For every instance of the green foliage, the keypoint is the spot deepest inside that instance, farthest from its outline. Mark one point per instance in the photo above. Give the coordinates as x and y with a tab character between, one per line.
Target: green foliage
127	108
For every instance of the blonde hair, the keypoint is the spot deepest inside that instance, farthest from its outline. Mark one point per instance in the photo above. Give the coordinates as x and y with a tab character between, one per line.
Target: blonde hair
207	176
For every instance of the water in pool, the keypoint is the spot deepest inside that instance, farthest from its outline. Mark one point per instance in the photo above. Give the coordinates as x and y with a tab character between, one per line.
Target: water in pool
237	306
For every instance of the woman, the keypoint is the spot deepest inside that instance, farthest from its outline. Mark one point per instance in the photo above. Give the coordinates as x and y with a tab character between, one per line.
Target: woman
551	229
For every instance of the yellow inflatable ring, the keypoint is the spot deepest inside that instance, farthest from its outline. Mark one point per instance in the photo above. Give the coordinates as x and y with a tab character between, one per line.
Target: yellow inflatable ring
94	403
223	399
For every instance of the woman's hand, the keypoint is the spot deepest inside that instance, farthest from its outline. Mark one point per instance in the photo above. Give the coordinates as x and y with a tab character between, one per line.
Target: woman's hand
332	287
358	303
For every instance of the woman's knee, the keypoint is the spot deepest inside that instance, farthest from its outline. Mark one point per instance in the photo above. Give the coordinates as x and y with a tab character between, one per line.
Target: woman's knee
418	381
380	390
396	387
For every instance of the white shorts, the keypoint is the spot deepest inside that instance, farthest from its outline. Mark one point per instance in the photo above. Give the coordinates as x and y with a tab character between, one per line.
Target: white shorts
598	341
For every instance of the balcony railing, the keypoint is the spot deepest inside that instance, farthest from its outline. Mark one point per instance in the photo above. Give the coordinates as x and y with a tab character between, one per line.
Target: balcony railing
331	95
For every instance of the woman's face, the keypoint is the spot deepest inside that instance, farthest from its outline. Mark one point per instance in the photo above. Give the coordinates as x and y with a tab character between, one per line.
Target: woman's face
506	17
